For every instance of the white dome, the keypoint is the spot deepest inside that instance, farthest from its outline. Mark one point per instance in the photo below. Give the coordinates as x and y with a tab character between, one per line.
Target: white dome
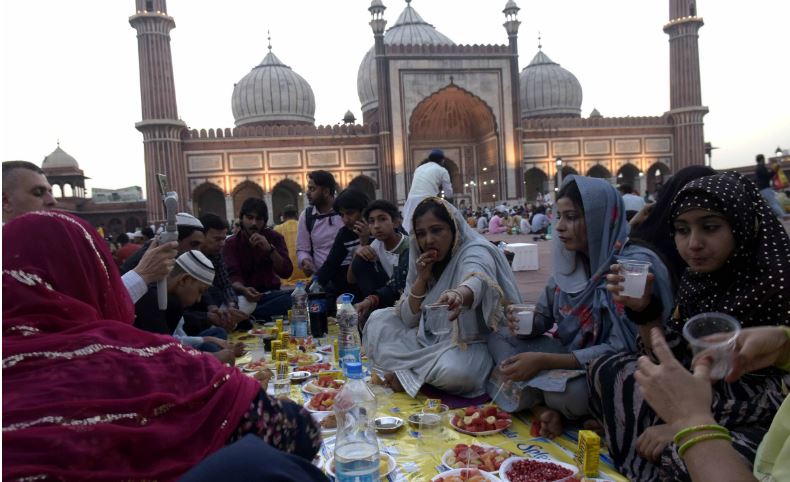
59	159
409	29
548	90
273	93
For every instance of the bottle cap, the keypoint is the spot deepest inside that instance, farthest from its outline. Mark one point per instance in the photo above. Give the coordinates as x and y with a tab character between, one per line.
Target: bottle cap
299	284
353	369
346	298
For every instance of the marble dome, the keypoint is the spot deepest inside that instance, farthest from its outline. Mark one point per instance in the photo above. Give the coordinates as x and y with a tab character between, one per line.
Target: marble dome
548	90
59	159
409	29
272	93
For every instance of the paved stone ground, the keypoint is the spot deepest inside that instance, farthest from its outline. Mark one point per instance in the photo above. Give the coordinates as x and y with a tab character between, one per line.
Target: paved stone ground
532	283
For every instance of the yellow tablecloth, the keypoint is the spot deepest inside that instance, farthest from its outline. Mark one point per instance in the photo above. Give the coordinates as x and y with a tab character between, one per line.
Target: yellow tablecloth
419	458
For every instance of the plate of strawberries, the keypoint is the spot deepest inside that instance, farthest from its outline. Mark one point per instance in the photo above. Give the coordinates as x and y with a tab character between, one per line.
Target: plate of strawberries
476	456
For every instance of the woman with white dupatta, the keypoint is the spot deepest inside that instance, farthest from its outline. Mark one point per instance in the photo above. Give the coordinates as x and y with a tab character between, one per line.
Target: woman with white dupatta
449	264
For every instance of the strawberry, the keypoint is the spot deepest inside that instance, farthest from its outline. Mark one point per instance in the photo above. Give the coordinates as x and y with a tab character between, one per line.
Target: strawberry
489	411
501	424
468	411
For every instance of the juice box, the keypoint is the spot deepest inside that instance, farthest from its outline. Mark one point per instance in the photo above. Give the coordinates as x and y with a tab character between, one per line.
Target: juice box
281	369
588	453
281	356
277	345
278	322
286	339
335	351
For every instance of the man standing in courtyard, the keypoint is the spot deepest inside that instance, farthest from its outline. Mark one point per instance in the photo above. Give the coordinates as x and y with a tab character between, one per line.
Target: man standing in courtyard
764	177
318	224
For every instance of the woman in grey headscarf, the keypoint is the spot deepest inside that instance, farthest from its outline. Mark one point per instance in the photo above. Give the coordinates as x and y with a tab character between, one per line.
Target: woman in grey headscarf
452	264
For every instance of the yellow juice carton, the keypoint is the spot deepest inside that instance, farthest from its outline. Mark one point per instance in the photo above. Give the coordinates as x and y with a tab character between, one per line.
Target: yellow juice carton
432	404
335	351
282	369
281	356
285	338
278	322
277	345
588	453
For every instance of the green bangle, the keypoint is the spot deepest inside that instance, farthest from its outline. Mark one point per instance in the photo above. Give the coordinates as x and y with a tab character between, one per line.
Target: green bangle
786	366
699	428
701	438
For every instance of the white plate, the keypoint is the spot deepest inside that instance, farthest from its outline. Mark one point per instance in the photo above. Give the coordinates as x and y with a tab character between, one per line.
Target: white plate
450	452
486	475
318	416
260	335
245	367
299	376
311	388
391	465
477	434
316	358
507	463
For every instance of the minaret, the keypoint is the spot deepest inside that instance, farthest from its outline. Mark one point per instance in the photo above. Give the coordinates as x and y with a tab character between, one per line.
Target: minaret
378	24
160	126
511	26
686	109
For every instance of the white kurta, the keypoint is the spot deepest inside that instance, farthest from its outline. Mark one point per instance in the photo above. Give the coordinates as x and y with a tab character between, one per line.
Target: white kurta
430	179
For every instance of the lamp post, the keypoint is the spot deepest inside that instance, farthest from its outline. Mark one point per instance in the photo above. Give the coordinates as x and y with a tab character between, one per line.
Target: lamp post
559	178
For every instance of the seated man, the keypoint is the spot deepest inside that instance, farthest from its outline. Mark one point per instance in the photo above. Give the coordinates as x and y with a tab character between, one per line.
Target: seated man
332	275
497	225
189	279
257	259
379	270
190	236
219	305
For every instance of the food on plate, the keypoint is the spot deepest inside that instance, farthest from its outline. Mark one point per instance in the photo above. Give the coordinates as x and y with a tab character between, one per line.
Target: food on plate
484	419
316	367
326	382
329	422
536	471
323	401
257	365
467	475
475	456
303	359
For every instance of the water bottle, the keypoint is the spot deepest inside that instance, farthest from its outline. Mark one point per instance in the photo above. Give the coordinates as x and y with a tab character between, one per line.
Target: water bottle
348	340
356	445
299	311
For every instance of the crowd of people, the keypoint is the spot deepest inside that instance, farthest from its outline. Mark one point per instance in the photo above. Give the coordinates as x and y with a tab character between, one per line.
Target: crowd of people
101	382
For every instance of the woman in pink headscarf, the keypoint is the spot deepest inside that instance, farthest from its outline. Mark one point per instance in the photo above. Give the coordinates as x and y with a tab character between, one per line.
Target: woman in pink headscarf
86	396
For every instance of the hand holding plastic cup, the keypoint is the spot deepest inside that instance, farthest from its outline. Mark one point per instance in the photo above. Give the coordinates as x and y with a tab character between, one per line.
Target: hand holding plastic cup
635	274
525	314
713	335
246	306
437	319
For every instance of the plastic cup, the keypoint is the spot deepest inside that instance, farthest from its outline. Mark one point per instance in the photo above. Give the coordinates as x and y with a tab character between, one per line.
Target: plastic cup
525	314
437	319
246	305
713	335
635	273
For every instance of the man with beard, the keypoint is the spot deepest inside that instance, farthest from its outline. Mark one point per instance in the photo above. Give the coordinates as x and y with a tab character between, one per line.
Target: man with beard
257	258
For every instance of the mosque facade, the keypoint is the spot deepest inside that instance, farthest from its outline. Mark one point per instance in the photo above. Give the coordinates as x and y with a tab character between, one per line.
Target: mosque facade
507	133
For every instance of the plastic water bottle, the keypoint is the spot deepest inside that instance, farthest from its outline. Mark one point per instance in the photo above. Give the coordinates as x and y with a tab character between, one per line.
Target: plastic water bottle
299	311
356	446
348	341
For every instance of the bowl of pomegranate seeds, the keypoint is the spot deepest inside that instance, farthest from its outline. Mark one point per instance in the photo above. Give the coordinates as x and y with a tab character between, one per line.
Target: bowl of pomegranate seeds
518	469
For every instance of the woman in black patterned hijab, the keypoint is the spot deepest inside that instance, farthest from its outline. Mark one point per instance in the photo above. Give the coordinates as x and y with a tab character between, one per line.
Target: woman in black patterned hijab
738	257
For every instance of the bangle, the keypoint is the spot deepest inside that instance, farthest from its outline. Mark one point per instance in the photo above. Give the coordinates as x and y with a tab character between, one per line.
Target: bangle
701	438
786	365
417	297
460	295
699	428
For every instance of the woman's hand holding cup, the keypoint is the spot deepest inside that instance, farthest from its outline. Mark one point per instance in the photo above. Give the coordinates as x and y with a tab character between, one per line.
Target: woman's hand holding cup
615	285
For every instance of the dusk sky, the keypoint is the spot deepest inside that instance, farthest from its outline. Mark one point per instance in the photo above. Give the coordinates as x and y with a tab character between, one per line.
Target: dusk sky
70	70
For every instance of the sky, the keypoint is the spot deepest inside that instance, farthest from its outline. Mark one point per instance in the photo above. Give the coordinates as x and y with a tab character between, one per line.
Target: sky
70	70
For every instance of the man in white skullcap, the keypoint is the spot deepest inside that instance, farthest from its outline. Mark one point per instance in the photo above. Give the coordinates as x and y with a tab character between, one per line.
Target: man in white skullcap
191	276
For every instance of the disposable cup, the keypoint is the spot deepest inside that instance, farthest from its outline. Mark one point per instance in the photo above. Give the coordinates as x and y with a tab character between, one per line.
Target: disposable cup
246	305
713	335
525	314
635	273
437	319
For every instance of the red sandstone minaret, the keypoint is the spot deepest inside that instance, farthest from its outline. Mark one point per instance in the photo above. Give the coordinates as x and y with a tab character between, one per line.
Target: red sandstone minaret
686	109
160	126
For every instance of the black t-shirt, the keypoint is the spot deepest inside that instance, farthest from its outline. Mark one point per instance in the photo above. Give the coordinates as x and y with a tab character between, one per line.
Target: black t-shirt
763	176
149	317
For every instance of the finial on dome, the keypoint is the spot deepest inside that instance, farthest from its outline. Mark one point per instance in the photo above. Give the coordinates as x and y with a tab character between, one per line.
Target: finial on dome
269	38
540	47
58	141
408	2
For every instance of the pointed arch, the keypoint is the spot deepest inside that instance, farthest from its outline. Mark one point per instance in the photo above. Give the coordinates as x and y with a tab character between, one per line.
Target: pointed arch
285	192
599	171
208	198
365	184
243	191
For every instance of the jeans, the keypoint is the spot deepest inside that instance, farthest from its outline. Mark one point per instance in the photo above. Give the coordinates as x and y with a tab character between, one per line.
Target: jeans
272	304
216	332
773	202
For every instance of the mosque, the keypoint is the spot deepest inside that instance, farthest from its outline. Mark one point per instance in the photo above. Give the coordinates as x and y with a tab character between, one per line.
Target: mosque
508	132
